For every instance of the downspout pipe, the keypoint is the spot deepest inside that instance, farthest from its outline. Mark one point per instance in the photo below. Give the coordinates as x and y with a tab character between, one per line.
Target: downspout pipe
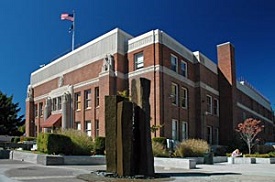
154	57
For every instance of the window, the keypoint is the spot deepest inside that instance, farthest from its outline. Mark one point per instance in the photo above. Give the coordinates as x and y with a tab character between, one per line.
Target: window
78	125
87	94
35	110
183	68
78	101
209	134
54	104
216	107
174	93
183	97
209	104
174	129
41	109
96	127
139	61
184	130
59	103
174	63
216	136
96	96
88	128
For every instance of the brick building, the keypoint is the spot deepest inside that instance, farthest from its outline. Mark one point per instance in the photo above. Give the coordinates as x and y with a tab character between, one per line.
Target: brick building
191	96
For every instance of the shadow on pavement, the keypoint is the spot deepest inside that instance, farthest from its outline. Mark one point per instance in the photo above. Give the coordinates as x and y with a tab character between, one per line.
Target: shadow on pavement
195	174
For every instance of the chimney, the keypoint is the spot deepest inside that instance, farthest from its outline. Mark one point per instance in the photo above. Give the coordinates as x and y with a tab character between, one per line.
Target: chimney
226	62
227	91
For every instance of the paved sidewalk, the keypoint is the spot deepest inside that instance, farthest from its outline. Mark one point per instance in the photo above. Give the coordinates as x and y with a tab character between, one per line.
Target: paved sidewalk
223	172
13	171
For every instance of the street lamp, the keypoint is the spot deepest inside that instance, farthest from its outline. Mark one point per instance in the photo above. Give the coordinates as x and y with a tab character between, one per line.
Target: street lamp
204	114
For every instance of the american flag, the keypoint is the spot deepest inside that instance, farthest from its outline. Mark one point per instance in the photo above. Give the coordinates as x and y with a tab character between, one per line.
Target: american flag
66	16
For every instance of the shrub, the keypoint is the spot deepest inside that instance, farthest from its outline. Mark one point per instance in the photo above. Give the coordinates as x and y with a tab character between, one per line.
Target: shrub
192	148
15	139
263	149
99	145
267	155
23	139
160	140
50	143
159	150
82	144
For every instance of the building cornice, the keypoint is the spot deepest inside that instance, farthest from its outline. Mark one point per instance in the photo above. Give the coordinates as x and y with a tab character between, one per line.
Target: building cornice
112	42
173	74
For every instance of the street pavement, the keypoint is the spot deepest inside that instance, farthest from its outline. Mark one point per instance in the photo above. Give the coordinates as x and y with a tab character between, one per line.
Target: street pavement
14	171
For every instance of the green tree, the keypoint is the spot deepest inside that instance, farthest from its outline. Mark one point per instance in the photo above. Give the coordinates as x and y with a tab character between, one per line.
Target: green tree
9	119
248	130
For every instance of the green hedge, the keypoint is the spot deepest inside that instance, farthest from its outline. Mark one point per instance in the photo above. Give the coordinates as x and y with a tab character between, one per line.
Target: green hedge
15	139
23	138
99	145
82	144
50	143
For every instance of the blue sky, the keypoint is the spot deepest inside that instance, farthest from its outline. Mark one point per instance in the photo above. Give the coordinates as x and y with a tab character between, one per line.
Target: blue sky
33	34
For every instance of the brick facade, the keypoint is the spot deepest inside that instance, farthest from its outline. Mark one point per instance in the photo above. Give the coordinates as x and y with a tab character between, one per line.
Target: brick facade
191	96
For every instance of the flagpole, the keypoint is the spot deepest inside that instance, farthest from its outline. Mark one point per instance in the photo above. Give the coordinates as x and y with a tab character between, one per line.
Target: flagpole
73	33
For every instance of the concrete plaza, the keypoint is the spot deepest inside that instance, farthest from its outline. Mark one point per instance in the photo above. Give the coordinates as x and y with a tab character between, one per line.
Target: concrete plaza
13	171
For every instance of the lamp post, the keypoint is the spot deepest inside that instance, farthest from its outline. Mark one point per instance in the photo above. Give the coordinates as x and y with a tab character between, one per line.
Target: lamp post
203	125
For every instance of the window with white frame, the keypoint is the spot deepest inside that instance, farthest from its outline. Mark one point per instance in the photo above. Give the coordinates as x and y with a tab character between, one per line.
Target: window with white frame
183	68
183	97
174	93
41	110
209	104
174	63
184	130
139	60
216	107
174	129
96	96
209	134
78	101
59	103
78	125
88	128
54	103
97	127
35	110
87	96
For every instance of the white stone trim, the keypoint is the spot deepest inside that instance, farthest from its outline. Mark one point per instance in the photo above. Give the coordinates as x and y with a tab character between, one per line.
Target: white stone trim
85	83
177	76
176	46
222	44
141	41
141	71
59	91
255	113
121	75
41	97
207	87
157	36
109	43
174	75
206	62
